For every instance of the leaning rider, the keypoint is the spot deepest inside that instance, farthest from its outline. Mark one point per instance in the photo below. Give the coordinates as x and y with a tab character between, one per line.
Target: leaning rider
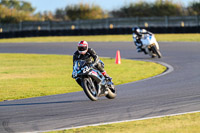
91	58
137	35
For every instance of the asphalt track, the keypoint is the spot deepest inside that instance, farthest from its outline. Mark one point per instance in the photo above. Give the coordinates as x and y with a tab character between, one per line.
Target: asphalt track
175	92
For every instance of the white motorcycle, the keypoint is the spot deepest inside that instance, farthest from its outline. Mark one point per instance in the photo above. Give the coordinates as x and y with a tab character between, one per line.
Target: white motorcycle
149	45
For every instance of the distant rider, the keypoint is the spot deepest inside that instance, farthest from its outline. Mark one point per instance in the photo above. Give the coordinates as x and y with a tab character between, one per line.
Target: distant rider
90	56
137	35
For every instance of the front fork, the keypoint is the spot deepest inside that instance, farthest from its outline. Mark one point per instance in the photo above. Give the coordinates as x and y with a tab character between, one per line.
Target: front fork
91	83
151	53
98	87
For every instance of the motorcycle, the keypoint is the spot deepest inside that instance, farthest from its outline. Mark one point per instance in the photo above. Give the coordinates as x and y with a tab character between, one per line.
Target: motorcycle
92	81
149	45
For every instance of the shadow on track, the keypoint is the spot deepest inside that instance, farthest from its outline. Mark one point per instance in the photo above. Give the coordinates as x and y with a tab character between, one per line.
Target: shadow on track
24	104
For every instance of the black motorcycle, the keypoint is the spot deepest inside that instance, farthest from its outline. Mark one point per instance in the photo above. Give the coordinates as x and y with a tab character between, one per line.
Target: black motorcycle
92	81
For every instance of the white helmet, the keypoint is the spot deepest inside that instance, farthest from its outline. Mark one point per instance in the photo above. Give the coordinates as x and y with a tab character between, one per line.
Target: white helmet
82	47
137	31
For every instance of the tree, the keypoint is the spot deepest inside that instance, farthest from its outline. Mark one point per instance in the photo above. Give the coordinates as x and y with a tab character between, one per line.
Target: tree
18	5
194	8
167	8
48	16
26	6
60	14
11	4
144	9
11	13
134	9
84	11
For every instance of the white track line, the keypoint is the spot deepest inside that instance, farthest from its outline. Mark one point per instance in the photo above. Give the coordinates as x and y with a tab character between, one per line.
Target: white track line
168	70
99	124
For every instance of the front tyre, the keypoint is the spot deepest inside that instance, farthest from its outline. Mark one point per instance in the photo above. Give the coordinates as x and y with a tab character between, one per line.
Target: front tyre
112	93
156	51
90	89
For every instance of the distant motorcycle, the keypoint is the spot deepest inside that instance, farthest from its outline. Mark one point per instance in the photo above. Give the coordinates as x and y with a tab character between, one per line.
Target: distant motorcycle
150	45
92	81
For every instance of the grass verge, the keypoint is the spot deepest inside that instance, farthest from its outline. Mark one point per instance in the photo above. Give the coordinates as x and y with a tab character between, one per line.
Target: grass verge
33	75
104	38
187	123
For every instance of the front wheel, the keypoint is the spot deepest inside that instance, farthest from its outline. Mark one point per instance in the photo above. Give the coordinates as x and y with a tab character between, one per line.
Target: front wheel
112	93
90	89
156	51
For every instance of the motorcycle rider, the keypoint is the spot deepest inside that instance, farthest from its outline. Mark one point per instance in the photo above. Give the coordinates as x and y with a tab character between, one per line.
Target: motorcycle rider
137	35
91	58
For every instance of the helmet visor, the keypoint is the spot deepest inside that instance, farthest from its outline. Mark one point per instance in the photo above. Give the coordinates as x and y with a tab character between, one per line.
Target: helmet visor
82	48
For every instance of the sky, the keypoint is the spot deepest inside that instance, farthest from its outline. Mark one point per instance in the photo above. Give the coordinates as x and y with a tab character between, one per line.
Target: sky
52	5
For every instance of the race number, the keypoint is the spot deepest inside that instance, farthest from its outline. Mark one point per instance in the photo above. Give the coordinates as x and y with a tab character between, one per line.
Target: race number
85	69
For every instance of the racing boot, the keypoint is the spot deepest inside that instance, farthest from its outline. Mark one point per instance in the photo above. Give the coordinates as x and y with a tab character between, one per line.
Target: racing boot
108	78
109	81
139	48
144	51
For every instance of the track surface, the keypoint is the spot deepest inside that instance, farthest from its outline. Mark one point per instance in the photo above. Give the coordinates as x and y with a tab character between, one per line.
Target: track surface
176	92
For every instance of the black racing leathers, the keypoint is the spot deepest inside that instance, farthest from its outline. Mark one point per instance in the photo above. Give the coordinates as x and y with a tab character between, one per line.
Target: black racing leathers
91	58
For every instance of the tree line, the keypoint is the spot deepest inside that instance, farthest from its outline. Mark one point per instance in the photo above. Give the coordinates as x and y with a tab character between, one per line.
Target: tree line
14	11
158	8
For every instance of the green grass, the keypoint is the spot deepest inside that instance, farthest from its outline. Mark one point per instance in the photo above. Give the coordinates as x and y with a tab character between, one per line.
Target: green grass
178	37
188	123
104	38
33	75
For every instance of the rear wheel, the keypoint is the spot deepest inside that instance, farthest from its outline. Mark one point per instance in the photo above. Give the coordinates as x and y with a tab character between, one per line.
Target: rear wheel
156	51
90	89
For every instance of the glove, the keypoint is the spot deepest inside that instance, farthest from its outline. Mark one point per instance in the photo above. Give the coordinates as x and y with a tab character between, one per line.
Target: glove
74	74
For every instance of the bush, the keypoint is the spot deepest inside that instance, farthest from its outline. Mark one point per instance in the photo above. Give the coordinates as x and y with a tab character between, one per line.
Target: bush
84	11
